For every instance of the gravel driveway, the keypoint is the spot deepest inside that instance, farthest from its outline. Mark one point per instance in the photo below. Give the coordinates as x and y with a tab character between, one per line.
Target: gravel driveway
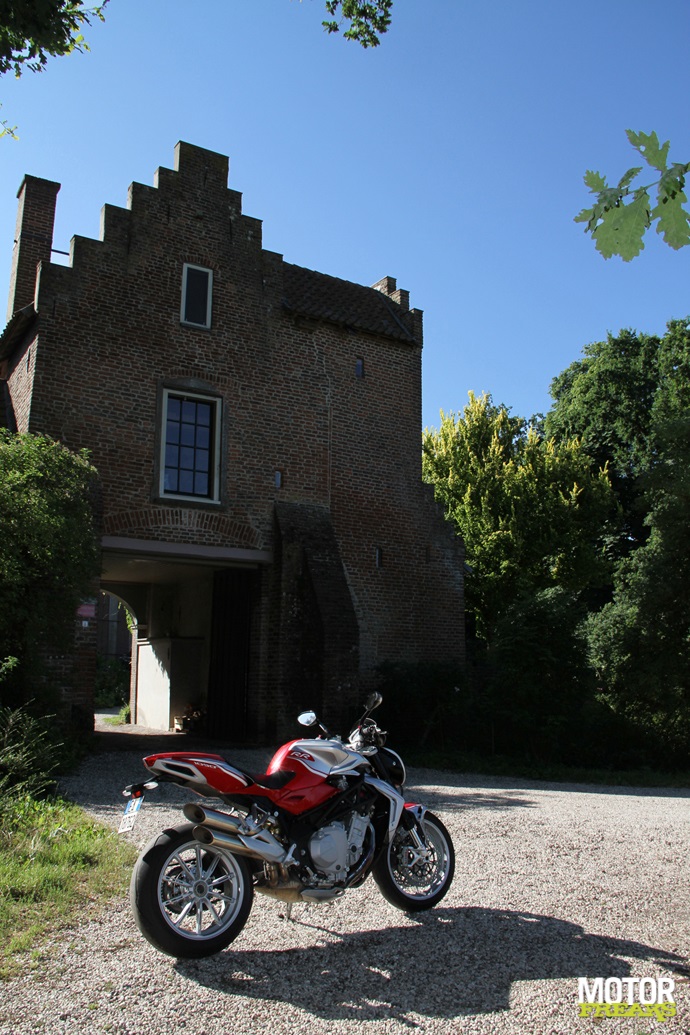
553	882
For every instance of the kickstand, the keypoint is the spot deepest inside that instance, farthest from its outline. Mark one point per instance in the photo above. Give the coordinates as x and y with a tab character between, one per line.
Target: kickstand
287	915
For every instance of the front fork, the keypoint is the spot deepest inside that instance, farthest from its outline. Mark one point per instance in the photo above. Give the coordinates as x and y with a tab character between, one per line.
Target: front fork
413	821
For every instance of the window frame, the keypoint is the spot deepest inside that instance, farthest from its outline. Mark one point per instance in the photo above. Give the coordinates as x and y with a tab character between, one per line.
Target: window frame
215	448
209	296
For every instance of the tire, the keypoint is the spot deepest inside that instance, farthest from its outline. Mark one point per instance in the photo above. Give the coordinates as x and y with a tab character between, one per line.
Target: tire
412	879
189	900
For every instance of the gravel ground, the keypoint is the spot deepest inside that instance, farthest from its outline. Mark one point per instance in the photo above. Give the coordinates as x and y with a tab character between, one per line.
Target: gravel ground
553	882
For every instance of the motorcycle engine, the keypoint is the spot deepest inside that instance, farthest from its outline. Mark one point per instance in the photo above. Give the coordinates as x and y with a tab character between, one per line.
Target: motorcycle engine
337	847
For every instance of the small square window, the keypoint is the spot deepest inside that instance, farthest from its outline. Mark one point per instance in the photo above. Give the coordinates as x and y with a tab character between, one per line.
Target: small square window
359	368
278	477
197	291
190	446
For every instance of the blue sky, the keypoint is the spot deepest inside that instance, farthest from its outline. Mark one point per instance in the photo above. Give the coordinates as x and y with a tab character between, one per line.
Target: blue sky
451	157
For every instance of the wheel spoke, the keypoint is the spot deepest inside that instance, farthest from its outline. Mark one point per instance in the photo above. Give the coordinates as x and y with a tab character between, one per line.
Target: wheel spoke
220	897
184	913
173	900
178	859
209	905
212	868
225	878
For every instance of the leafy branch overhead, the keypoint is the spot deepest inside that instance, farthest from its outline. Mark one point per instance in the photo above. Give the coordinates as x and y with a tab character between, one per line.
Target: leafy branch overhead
622	214
367	21
31	31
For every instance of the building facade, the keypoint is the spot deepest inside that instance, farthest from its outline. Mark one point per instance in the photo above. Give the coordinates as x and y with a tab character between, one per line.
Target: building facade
256	428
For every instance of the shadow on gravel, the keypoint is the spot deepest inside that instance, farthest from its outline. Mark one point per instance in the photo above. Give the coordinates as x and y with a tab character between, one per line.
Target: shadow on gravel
452	799
452	963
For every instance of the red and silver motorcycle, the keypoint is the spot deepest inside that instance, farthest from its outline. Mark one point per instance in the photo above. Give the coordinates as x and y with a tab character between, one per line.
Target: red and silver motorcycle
325	815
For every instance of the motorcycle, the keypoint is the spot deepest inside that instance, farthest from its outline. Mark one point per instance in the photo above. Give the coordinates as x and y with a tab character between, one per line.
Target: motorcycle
325	815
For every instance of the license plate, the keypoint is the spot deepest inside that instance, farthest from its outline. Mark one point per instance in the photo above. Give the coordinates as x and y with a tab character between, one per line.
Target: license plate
131	812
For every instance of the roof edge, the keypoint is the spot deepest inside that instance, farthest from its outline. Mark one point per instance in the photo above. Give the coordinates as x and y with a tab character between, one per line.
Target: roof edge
16	328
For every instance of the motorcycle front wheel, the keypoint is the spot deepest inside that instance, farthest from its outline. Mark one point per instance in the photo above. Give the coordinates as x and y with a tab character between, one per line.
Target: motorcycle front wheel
189	900
413	877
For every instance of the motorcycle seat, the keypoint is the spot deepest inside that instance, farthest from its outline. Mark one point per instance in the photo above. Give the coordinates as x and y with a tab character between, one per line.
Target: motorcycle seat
271	781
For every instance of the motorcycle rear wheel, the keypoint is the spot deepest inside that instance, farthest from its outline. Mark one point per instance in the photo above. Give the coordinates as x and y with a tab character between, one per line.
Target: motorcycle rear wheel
414	880
189	900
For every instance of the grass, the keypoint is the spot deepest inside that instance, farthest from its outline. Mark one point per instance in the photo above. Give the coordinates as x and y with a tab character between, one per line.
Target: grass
56	867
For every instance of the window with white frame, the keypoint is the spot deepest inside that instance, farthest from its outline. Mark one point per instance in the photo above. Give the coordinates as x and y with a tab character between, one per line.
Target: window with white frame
197	295
190	445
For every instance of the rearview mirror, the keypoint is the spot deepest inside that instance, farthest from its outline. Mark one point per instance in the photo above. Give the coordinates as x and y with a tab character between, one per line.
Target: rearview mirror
307	719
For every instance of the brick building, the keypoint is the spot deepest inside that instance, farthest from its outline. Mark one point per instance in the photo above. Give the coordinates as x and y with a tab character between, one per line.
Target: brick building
256	427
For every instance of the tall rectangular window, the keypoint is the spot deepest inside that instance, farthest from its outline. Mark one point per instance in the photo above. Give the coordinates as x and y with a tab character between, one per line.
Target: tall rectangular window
190	446
197	292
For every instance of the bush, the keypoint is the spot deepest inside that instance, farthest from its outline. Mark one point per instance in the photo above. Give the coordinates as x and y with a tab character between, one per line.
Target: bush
49	553
28	757
423	702
112	683
121	719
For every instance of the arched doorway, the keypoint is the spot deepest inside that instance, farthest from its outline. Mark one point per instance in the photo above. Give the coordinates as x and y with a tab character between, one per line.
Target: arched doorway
115	634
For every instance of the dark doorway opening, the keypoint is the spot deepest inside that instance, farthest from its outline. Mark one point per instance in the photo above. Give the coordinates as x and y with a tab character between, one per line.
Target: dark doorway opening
234	591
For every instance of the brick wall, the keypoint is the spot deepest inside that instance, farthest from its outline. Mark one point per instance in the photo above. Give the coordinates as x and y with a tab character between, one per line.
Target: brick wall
33	239
331	400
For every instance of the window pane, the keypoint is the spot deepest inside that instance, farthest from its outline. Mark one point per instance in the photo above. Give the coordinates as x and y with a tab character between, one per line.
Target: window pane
189	447
173	408
187	434
196	297
203	438
203	413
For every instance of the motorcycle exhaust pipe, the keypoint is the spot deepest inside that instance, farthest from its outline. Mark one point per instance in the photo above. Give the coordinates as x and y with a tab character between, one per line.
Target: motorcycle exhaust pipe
261	846
210	817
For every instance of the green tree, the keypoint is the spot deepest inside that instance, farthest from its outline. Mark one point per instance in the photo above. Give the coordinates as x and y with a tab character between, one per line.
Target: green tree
530	509
605	400
640	641
49	552
622	214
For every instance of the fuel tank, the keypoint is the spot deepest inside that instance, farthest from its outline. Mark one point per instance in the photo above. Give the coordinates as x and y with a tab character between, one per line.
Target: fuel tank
312	761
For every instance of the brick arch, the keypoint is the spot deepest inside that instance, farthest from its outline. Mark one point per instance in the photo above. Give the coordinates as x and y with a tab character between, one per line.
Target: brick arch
184	524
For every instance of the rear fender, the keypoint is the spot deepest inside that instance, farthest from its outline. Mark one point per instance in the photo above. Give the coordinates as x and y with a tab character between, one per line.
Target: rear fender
208	775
